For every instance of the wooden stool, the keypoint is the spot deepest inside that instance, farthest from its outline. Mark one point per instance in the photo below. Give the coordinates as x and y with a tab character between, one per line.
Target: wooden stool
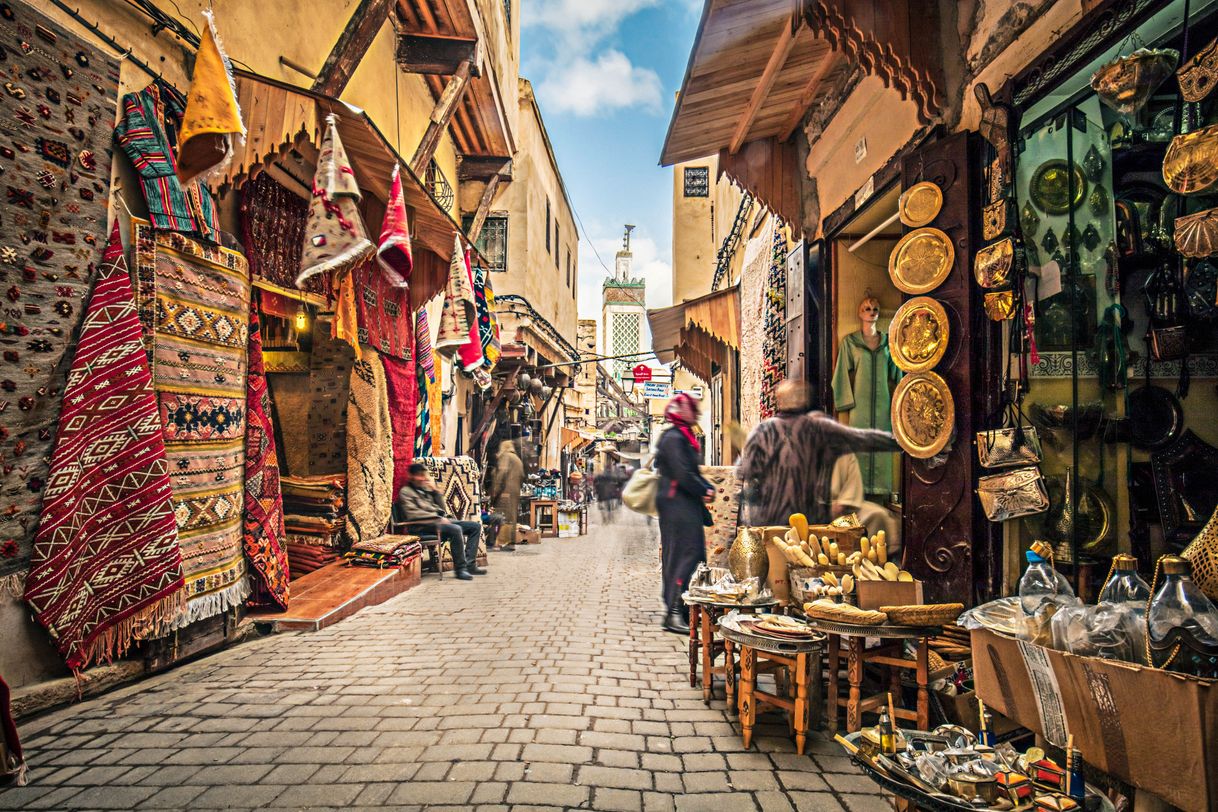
801	662
703	622
888	654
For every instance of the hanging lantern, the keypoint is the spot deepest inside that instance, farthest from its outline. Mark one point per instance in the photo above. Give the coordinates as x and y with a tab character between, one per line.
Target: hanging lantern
535	386
523	380
546	391
301	322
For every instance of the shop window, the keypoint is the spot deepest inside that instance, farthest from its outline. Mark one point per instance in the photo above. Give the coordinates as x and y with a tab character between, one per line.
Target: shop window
697	181
492	241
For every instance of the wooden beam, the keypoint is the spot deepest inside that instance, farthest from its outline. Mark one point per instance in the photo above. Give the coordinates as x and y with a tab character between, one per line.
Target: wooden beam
809	92
782	49
484	208
432	54
441	115
352	44
478	167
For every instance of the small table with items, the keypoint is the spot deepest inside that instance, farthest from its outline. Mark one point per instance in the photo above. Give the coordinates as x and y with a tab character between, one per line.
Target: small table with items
800	659
704	615
543	517
888	653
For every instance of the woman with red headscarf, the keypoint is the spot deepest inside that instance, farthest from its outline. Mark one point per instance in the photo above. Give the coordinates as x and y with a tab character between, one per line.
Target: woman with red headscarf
680	502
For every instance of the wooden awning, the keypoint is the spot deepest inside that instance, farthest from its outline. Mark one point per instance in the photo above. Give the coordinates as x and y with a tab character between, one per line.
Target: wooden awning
758	66
285	125
700	333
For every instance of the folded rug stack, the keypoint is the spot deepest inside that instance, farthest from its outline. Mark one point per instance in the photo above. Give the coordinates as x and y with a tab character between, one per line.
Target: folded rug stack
303	558
315	520
385	552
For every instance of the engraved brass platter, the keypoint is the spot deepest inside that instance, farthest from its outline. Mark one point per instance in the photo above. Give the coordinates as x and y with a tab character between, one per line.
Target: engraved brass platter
921	261
1051	187
920	204
918	334
923	414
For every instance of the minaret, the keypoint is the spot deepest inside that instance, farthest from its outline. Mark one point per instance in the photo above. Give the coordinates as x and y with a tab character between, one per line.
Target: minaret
623	311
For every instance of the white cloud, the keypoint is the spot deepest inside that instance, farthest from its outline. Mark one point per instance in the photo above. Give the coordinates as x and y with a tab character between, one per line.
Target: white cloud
586	88
582	22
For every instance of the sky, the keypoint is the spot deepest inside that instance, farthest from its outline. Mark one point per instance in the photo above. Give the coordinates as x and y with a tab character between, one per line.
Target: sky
605	73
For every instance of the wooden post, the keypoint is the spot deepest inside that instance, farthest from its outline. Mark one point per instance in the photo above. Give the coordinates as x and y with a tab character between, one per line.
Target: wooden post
695	618
484	208
708	653
442	114
748	682
352	44
800	715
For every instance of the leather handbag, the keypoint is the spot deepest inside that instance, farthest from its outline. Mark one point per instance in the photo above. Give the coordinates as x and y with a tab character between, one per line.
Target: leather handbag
639	492
1012	444
1012	494
1168	343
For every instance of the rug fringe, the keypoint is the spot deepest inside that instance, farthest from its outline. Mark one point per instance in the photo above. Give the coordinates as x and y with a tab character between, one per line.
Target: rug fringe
197	609
13	584
116	641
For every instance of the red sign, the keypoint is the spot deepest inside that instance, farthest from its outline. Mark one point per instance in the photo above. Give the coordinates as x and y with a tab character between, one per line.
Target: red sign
642	373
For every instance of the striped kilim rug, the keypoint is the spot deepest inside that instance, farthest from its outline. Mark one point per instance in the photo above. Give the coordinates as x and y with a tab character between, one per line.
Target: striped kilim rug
106	563
197	298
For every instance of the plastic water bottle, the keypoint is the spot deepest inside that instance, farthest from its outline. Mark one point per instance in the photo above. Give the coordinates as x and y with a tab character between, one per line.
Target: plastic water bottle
1179	603
1125	585
1040	582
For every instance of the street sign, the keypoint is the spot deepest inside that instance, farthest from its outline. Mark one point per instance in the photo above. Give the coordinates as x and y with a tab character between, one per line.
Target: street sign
656	390
642	373
695	393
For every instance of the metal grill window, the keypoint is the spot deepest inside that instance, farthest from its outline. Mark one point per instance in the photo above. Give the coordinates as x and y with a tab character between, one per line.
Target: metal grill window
492	240
697	181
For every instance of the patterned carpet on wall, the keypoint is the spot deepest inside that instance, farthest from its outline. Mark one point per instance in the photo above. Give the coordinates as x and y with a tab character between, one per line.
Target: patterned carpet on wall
199	340
329	387
106	561
725	511
369	452
56	165
402	383
263	533
459	479
754	278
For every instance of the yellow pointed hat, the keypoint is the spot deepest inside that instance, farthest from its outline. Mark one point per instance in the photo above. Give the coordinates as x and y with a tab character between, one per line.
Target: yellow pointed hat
213	116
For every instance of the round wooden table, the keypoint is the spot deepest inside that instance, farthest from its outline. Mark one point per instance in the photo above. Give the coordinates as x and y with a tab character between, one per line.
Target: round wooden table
800	658
888	654
704	617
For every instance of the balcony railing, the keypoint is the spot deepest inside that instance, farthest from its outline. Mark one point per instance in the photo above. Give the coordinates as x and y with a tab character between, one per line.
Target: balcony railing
439	186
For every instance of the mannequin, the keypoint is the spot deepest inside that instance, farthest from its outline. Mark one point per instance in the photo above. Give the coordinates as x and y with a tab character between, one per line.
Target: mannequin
862	391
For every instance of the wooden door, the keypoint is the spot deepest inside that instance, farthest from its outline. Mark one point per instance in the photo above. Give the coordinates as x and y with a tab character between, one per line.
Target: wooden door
948	542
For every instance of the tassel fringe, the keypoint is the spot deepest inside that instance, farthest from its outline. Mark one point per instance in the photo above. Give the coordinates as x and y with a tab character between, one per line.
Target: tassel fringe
197	609
13	585
116	641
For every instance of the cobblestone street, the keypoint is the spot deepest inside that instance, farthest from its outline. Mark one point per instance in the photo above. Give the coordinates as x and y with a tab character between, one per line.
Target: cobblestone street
545	684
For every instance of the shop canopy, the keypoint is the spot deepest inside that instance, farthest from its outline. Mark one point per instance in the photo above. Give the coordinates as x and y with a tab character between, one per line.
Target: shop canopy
284	126
701	332
758	66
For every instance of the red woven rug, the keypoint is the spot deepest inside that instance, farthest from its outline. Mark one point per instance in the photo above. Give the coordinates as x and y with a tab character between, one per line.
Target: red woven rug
106	561
263	532
403	385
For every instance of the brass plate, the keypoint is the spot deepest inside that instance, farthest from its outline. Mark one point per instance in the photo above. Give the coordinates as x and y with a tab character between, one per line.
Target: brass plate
918	334
923	414
920	204
1050	187
921	261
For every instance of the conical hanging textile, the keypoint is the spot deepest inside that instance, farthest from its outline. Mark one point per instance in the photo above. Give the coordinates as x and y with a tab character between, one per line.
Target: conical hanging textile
459	313
335	236
393	250
213	116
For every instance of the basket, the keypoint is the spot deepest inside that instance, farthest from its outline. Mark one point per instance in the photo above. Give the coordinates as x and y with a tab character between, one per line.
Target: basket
847	538
935	614
796	576
844	613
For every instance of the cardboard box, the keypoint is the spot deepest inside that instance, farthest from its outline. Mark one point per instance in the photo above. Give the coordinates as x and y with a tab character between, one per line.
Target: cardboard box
528	536
1154	729
874	594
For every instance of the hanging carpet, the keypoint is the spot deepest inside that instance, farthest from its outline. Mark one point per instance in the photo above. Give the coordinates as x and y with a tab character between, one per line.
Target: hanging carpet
488	325
402	384
263	534
459	315
56	172
383	309
106	564
425	367
725	510
12	762
198	299
369	452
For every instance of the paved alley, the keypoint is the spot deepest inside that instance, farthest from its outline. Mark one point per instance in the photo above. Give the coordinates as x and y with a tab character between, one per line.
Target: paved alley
545	684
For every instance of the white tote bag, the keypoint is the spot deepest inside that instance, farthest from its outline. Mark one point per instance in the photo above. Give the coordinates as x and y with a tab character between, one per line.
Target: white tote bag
639	493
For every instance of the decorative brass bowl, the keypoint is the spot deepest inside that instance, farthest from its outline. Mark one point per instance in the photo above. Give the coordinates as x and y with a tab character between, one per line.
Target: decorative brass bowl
1191	162
918	334
921	261
1050	188
920	204
923	414
1126	83
992	265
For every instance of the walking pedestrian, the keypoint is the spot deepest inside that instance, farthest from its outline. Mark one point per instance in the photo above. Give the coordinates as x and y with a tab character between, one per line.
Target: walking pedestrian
787	463
505	491
608	493
681	500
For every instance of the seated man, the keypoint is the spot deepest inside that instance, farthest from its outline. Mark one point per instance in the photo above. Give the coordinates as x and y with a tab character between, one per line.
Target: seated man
422	506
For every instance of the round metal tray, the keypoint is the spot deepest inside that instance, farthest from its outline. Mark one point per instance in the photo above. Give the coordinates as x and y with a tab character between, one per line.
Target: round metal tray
765	604
884	630
729	629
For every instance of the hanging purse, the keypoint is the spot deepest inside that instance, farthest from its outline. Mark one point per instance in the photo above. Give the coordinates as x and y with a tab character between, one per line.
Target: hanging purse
1012	494
1191	162
1197	234
992	265
994	218
1013	444
1202	553
1000	305
1168	343
1198	76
